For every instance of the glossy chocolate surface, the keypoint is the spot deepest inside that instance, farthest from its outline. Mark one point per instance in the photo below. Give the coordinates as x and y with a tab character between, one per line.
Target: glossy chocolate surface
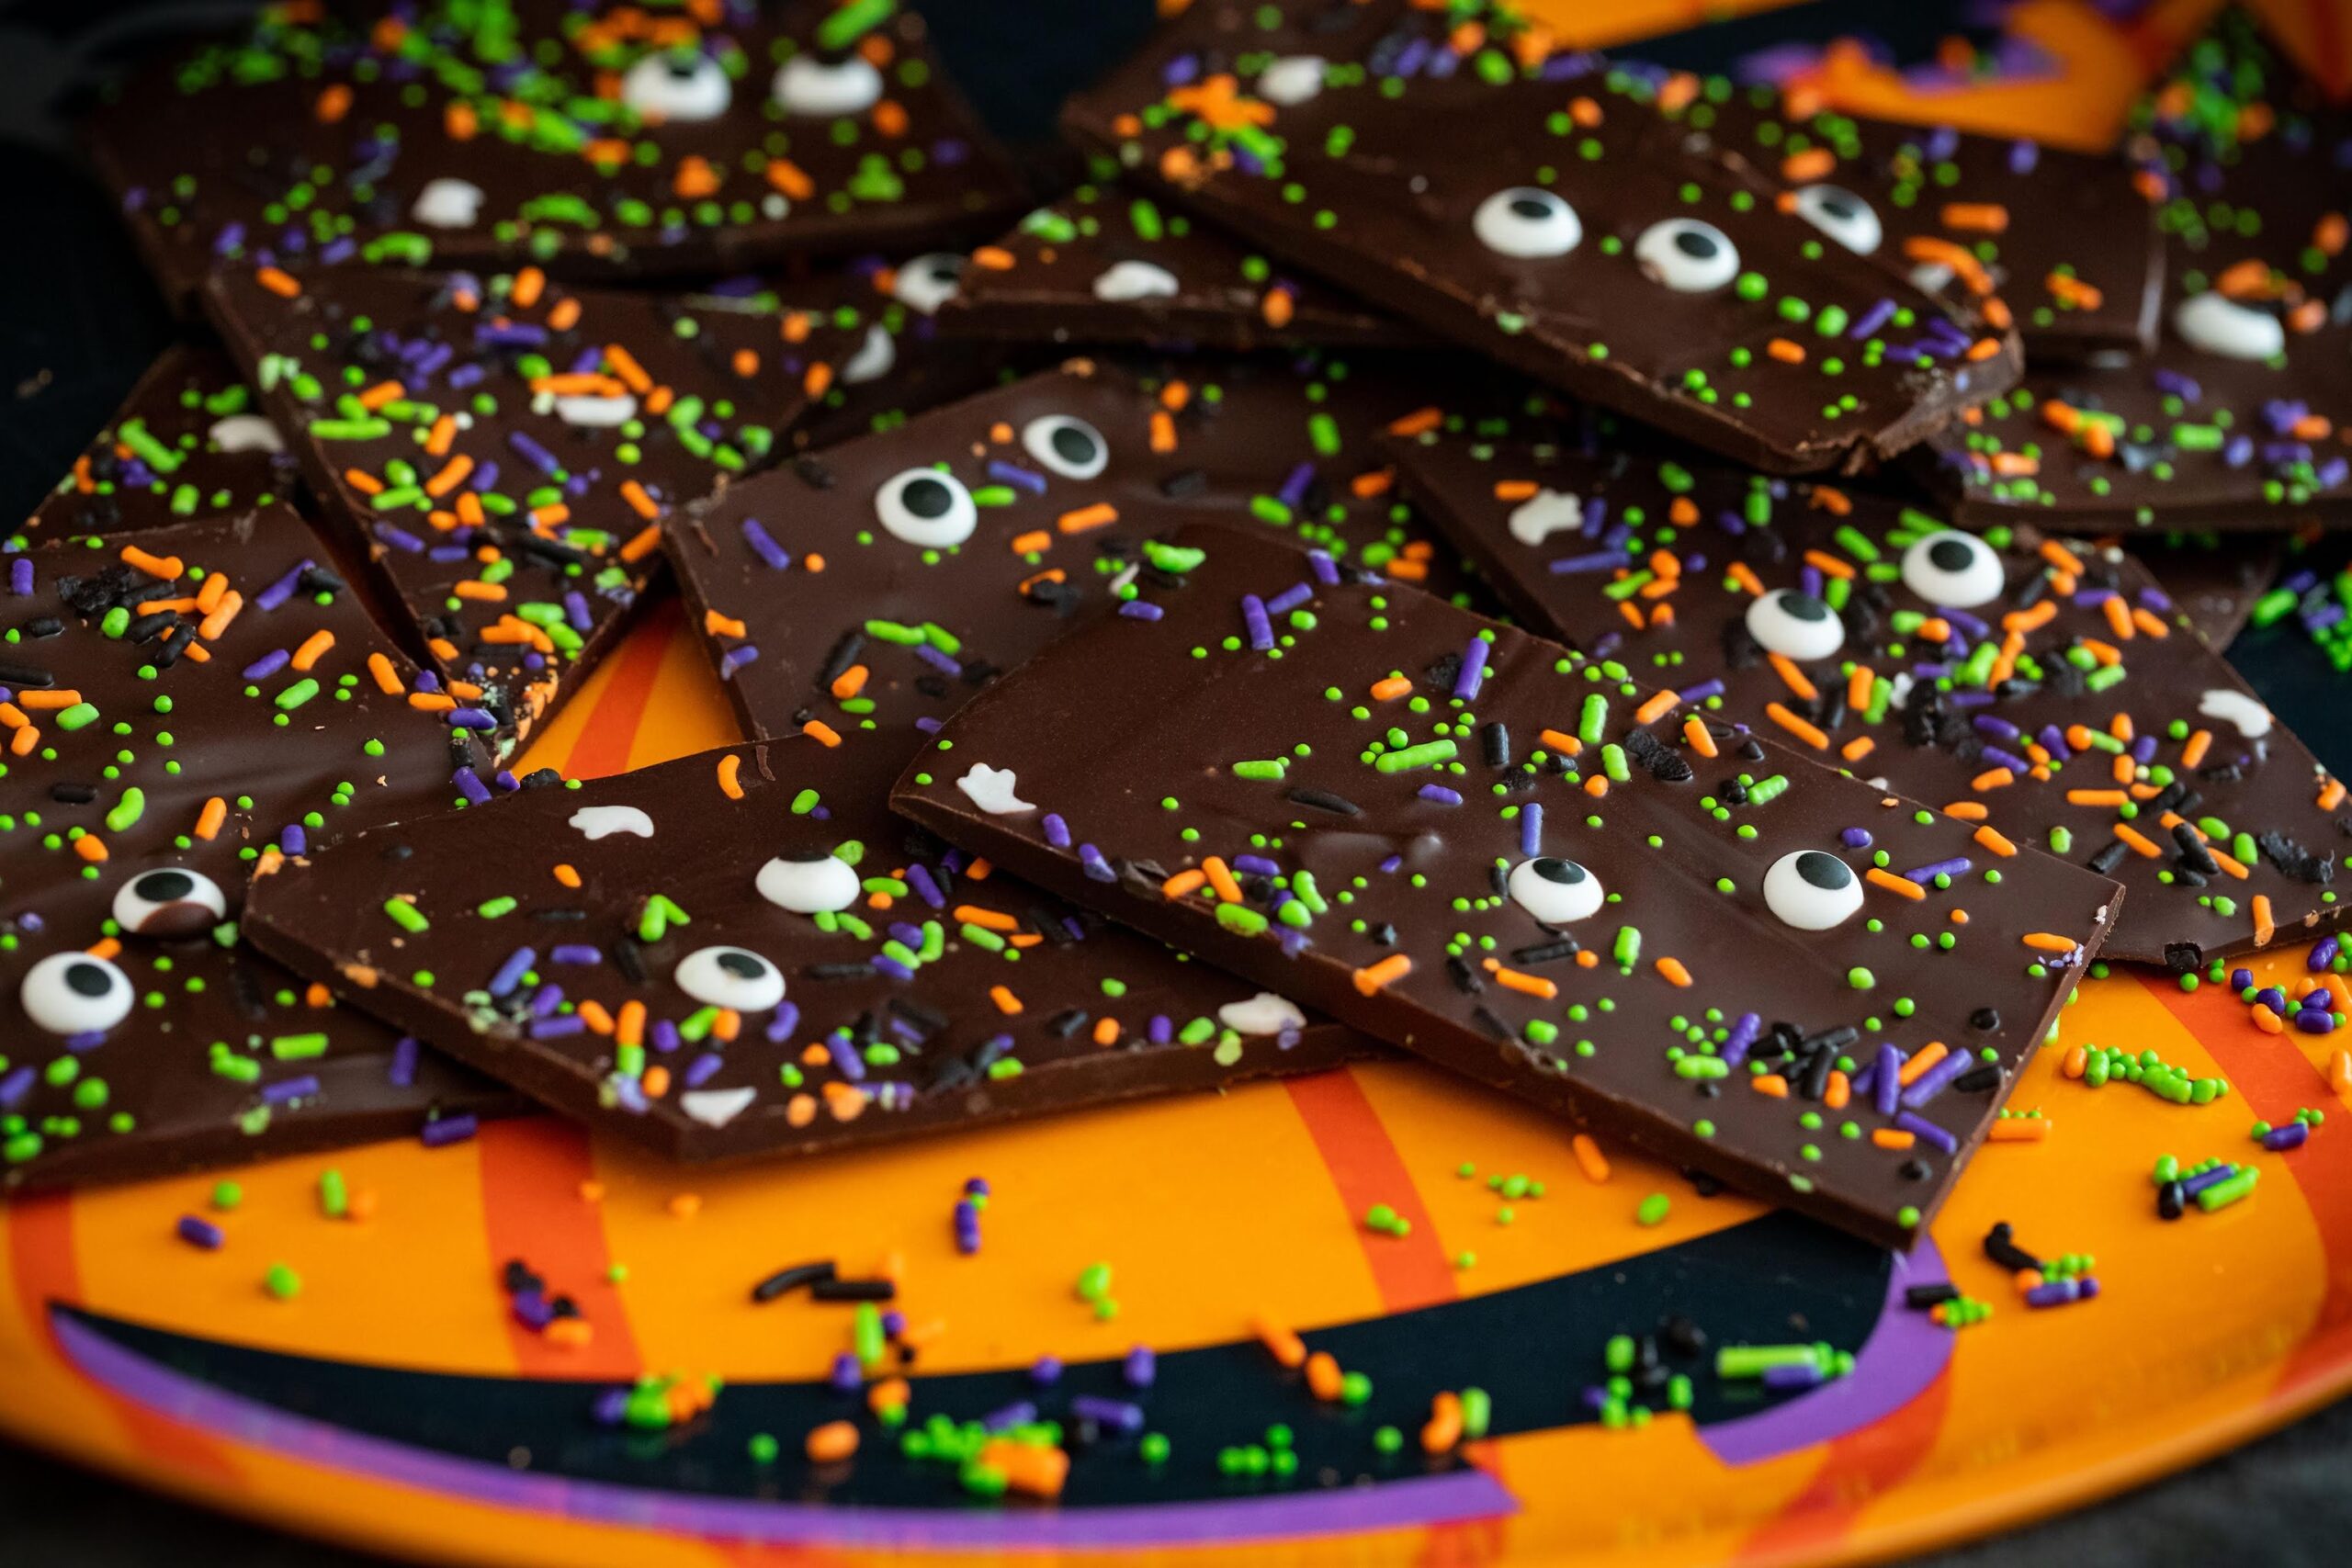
1540	209
2053	691
182	706
1478	846
599	140
505	448
743	953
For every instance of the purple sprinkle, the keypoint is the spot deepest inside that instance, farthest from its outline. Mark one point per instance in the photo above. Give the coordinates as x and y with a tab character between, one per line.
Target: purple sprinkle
2321	955
1793	1375
470	784
1439	794
1097	869
1046	1371
1936	1079
2191	1186
1140	1366
1530	830
200	1233
1744	1031
1119	1414
1474	670
704	1069
510	974
576	953
20	577
1015	475
734	659
1327	571
269	664
1020	1413
1956	866
278	593
1855	838
2286	1135
440	1132
1887	1079
926	888
402	1071
1253	615
1056	830
1141	610
785	1019
561	1028
967	1226
847	1377
290	1088
1927	1132
1868	323
1289	598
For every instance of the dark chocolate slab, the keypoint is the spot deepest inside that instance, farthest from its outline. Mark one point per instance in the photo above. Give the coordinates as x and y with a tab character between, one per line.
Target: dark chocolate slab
599	140
875	983
1108	263
2212	579
1482	847
1287	446
187	442
183	707
2053	691
902	365
1544	211
2067	242
505	448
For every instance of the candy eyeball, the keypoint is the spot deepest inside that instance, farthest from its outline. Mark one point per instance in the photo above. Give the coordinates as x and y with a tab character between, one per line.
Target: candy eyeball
1840	214
1554	891
2211	324
1812	890
819	89
1795	625
169	903
1527	221
1953	570
447	203
1687	255
1066	445
73	993
822	884
928	281
732	977
680	87
925	507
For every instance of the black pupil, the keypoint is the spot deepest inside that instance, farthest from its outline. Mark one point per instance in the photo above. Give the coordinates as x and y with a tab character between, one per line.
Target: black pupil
1695	244
1838	205
165	887
1826	871
743	965
87	981
1072	445
1532	208
1567	873
928	498
684	70
1950	555
1804	607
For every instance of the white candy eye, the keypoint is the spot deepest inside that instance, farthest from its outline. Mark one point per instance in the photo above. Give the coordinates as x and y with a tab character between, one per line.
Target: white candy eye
925	507
927	281
1953	570
1554	891
1687	255
169	903
1840	214
678	87
1794	625
1293	79
1812	890
825	885
447	203
73	993
811	87
1527	221
730	977
2214	325
1069	446
874	358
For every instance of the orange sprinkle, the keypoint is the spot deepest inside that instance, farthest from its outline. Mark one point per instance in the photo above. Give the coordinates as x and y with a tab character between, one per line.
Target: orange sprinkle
1389	689
1220	878
1892	1138
1283	1343
1183	882
1786	351
1771	1085
1740	572
2019	1130
1656	709
1925	1056
1443	1429
2048	942
1031	542
1524	983
1976	217
1694	730
61	697
1793	678
833	1443
1838	1092
314	648
730	785
2139	843
1096	516
168	567
1993	778
1963	263
715	624
1006	1002
1323	1377
1987	838
1805	167
567	875
823	732
1803	730
278	282
2265	928
1589	1159
1396	966
1567	745
848	684
1878	876
1673	969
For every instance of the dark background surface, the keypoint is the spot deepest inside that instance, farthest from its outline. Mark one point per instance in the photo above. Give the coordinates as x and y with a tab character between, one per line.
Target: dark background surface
79	321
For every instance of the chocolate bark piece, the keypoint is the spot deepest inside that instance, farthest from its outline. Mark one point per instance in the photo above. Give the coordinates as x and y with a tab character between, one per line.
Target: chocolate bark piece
505	448
187	442
1041	511
600	140
2212	579
2235	420
1522	864
2250	154
1541	210
2049	689
742	953
182	706
1107	262
901	365
2066	243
